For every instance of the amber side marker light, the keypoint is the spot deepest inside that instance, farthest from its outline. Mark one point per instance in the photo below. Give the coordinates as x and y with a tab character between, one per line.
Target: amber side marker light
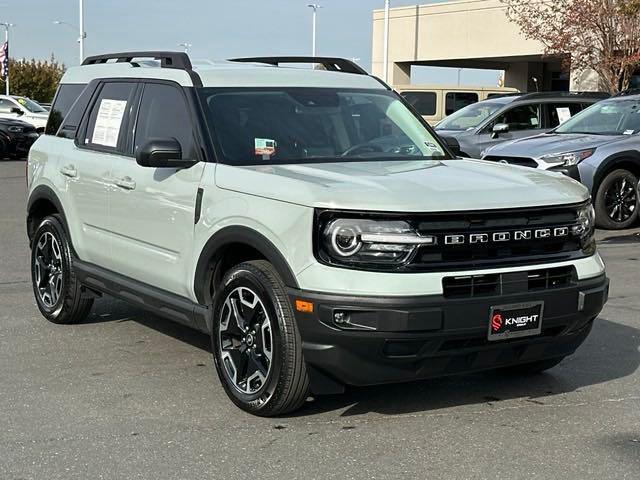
303	306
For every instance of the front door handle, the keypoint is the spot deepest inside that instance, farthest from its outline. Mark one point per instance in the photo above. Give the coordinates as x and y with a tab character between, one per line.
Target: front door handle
125	182
69	171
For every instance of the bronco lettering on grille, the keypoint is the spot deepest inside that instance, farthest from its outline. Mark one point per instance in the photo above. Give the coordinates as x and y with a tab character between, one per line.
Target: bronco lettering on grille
497	237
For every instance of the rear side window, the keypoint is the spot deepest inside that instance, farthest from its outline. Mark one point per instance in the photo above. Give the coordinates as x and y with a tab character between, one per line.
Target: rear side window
164	114
559	112
423	102
454	101
106	125
64	100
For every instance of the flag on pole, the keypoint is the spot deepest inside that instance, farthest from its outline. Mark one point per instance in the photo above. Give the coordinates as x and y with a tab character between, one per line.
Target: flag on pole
4	60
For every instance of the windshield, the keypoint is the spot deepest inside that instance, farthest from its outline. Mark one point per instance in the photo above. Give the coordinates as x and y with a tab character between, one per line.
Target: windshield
470	116
611	117
310	125
30	105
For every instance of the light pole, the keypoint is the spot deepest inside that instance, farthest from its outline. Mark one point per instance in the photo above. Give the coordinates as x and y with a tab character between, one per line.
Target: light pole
7	26
75	29
83	34
315	8
186	46
385	44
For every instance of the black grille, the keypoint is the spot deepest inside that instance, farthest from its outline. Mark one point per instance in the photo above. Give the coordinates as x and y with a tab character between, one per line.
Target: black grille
469	286
522	161
509	250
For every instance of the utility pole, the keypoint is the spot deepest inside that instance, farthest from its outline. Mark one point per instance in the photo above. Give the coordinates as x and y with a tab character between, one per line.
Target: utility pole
315	8
385	45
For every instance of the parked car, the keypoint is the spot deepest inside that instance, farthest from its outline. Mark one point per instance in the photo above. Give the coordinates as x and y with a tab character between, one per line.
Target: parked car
24	109
16	138
435	102
482	125
599	147
310	221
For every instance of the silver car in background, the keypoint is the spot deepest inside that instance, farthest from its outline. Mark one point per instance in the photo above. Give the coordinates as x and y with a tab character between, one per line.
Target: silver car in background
485	124
599	147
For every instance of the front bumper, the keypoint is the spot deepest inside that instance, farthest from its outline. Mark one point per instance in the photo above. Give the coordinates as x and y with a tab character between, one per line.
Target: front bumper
408	338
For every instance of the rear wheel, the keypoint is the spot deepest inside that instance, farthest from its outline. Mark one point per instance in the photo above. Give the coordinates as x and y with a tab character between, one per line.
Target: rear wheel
256	344
58	293
617	200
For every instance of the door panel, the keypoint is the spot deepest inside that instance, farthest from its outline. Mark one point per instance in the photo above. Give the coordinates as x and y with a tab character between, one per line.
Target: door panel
152	210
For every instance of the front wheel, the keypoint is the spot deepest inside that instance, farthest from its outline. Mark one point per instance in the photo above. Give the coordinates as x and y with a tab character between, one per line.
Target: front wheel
617	200
256	344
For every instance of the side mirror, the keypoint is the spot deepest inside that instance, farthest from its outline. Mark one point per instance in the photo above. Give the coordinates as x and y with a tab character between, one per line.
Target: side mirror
162	153
453	145
17	111
499	128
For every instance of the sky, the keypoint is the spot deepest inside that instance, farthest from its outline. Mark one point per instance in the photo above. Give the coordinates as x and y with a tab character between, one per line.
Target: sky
217	29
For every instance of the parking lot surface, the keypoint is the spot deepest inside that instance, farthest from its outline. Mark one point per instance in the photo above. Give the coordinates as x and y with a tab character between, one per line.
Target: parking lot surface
129	395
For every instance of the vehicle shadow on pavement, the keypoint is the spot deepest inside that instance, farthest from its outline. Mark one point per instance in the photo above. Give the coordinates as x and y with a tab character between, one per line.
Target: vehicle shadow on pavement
610	352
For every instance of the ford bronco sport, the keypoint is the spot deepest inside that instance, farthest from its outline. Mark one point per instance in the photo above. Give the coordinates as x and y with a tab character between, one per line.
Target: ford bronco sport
309	220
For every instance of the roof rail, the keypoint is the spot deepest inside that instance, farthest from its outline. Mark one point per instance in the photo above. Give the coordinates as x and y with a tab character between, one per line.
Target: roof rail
627	92
533	95
332	64
179	60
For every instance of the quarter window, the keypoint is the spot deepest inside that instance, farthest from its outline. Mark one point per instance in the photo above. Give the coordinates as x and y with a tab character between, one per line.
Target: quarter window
106	125
66	97
423	102
454	101
164	114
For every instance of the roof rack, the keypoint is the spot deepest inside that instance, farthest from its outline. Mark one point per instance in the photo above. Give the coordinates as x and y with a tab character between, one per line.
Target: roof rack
332	64
530	96
179	60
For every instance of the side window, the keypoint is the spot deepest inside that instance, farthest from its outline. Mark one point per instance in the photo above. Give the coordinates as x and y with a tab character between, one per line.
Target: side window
108	114
65	98
454	101
164	114
423	102
522	117
558	113
6	105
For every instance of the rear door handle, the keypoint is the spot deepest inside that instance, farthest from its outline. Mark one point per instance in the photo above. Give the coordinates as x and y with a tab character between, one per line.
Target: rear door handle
125	182
69	171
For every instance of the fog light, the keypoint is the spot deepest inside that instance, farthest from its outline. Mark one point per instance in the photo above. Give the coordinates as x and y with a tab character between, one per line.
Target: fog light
341	318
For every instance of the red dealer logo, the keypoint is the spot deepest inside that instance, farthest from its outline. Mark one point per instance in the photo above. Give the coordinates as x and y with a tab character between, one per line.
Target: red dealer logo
496	322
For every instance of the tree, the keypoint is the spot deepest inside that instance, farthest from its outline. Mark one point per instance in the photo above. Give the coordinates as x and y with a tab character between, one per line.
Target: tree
602	35
35	79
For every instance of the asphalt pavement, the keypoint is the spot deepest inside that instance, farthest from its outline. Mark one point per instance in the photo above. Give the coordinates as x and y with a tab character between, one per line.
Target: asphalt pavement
128	395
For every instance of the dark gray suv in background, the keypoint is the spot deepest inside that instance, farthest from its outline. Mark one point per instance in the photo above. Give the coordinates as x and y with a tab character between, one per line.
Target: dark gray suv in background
485	124
599	147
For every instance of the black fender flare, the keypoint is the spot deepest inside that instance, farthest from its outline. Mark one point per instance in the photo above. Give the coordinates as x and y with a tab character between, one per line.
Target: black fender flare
609	164
44	192
239	234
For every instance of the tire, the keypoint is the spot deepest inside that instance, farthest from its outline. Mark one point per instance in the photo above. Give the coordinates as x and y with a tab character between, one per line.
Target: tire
533	367
616	202
268	342
58	294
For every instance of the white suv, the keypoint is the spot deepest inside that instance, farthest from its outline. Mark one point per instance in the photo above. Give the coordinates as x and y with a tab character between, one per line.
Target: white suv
309	220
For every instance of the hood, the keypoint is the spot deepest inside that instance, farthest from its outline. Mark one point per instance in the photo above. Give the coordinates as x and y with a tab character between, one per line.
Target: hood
404	186
14	122
443	132
535	147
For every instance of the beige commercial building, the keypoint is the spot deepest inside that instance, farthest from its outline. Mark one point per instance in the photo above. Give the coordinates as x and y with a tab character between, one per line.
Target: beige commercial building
468	34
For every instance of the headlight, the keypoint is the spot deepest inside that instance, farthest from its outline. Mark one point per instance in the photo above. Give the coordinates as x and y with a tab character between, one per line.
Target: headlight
568	159
364	241
586	225
16	129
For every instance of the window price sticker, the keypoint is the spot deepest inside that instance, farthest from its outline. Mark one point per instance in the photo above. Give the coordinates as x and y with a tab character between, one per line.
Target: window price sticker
108	122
